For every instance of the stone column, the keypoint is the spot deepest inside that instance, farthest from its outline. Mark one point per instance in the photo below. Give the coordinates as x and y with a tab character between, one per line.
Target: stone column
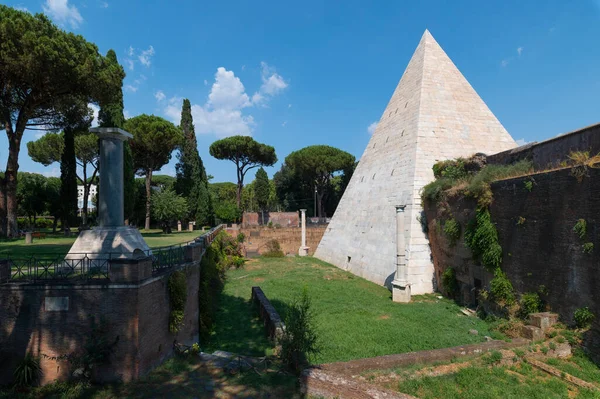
400	285
303	250
110	199
190	226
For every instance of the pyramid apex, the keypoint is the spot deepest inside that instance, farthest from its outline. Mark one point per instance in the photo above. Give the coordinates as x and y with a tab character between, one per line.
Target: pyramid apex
427	36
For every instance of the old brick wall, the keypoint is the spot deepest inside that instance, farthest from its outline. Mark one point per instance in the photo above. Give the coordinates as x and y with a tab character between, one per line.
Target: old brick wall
542	249
283	219
137	314
551	152
289	238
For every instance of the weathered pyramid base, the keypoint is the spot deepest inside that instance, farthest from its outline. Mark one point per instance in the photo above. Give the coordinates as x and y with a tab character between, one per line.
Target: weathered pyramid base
115	242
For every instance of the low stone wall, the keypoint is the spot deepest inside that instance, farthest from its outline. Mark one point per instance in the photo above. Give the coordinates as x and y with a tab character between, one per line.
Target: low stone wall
271	319
281	219
54	319
289	239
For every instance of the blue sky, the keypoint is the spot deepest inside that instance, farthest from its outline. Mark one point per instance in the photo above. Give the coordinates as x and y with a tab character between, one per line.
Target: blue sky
294	74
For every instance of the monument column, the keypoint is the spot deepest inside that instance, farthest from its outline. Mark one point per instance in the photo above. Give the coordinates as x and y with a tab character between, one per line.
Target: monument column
110	199
400	285
303	250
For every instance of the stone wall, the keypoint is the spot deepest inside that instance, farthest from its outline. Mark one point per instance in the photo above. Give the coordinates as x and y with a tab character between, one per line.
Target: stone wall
551	152
54	320
539	245
289	238
283	219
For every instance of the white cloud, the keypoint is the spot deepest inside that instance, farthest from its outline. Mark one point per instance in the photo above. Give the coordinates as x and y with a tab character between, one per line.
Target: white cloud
63	13
289	105
371	128
130	88
103	4
54	172
273	83
243	67
126	114
130	51
222	113
521	142
130	63
284	123
504	63
146	55
96	110
159	95
519	50
205	82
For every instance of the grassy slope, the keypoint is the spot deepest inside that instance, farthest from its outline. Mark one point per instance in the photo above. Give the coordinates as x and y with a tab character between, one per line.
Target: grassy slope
58	244
355	318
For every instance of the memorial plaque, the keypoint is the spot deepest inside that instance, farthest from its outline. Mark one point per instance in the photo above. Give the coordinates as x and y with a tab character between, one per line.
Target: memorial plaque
56	303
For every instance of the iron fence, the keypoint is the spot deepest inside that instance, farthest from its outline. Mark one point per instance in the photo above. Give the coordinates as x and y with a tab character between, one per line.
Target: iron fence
95	266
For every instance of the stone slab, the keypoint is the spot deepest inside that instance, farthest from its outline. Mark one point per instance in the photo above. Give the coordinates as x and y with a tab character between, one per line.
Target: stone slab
543	320
533	333
56	303
109	242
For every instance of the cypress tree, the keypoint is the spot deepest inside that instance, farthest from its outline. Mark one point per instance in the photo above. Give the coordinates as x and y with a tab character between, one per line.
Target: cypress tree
111	115
68	177
192	182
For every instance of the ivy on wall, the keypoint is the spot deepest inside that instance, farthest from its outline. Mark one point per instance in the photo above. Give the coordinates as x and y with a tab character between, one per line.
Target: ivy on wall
177	286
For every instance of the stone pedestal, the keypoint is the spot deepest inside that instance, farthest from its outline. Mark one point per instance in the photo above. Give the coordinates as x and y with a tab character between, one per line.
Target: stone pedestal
303	250
130	270
111	239
179	225
190	226
28	238
400	293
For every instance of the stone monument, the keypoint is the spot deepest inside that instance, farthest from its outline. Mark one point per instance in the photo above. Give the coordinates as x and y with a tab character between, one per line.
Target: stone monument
111	239
303	250
433	115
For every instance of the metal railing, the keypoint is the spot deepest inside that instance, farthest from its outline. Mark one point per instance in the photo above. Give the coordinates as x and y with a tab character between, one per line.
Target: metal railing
95	266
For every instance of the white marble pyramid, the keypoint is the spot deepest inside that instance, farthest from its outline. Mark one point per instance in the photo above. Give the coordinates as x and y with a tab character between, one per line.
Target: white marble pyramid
433	115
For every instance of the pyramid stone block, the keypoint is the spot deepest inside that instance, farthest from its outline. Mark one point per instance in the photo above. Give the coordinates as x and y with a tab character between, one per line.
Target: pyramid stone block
434	114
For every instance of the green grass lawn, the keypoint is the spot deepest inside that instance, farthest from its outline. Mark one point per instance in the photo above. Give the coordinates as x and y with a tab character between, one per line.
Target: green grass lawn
354	317
478	382
58	244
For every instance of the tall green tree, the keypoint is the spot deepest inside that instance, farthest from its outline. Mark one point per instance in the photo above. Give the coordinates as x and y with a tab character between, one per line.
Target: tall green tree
154	140
191	175
31	194
246	154
50	148
262	191
52	197
167	207
316	166
43	71
111	115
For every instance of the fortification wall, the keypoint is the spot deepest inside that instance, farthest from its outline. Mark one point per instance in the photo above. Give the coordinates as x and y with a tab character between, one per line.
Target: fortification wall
551	152
53	320
539	246
289	238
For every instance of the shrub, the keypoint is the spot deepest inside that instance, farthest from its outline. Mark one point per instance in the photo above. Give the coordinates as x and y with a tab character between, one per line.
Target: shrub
434	191
580	161
479	187
449	282
452	169
481	237
28	371
580	228
588	247
493	358
177	286
501	289
452	231
583	317
241	237
530	302
273	250
299	340
528	185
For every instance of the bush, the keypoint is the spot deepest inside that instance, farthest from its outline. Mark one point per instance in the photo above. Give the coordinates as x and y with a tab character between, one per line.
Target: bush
501	289
241	237
449	282
493	358
28	372
299	340
530	302
583	317
451	169
452	231
273	250
482	238
177	286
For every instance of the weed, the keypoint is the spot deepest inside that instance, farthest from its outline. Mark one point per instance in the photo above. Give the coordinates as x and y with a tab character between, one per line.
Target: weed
492	358
273	250
528	185
452	231
529	303
580	228
560	339
552	345
241	237
481	237
521	221
580	162
583	317
588	247
449	281
28	371
177	285
552	334
519	352
501	289
544	349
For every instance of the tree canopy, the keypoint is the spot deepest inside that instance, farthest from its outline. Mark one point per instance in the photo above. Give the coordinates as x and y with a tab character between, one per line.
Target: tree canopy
262	189
168	207
44	71
316	166
154	140
245	153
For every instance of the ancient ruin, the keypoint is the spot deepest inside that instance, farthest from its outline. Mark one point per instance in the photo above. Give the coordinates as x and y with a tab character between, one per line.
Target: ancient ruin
434	114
